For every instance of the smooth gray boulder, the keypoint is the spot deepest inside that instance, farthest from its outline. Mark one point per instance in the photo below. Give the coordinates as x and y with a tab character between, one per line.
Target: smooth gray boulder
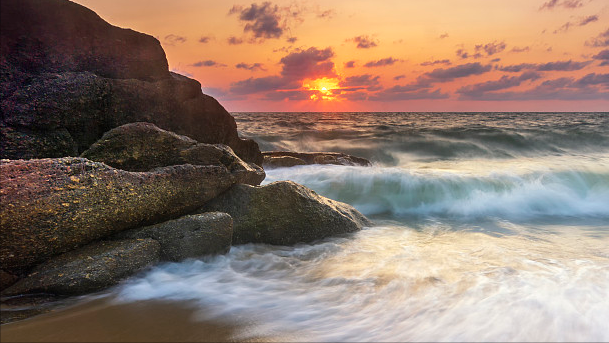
88	269
189	236
284	213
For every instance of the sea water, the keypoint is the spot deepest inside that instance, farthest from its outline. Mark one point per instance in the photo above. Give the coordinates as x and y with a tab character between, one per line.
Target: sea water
487	227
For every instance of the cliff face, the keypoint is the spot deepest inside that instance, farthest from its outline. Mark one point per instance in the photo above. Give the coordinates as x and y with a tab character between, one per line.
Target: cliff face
68	76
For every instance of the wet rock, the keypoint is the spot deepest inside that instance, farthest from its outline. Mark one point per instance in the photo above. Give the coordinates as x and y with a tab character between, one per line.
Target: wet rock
189	236
50	206
275	159
284	213
68	76
144	146
89	269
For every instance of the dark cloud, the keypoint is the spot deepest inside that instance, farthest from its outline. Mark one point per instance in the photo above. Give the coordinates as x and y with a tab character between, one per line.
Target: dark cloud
382	62
431	63
174	39
449	74
350	64
549	5
444	35
364	42
480	89
462	53
297	66
289	95
250	67
519	49
491	48
550	66
603	56
263	21
594	79
355	96
205	39
232	40
392	95
582	22
327	14
208	63
399	77
292	39
599	41
365	80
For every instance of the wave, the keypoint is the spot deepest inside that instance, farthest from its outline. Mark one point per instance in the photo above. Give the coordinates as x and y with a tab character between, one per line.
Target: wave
407	192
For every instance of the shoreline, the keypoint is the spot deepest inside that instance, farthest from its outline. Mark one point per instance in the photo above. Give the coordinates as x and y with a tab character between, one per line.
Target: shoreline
104	320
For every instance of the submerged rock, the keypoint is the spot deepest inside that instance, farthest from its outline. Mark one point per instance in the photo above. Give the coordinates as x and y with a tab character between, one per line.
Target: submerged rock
50	206
284	213
68	76
88	269
276	159
189	236
144	146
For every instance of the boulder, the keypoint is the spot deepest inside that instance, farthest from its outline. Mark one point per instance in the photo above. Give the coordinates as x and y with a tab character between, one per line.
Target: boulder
7	279
88	269
50	206
275	159
284	213
144	146
189	236
68	76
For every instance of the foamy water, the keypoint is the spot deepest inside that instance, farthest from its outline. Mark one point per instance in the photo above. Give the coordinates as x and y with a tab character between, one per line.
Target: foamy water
497	230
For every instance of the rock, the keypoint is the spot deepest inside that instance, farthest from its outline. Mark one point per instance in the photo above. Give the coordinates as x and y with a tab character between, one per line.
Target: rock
144	146
89	269
284	213
50	206
7	279
68	76
189	236
282	161
275	159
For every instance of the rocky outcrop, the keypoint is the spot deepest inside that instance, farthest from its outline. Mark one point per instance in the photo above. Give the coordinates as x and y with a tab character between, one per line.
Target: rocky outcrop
6	279
50	206
284	213
89	269
68	76
144	146
189	236
276	159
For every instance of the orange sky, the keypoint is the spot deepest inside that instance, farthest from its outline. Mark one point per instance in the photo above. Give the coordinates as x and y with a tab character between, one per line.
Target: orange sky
355	55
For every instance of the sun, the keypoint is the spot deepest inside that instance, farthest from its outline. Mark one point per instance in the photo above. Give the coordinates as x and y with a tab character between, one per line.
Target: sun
324	88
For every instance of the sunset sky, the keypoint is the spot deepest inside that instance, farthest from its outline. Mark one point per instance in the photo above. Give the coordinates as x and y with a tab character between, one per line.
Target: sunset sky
355	55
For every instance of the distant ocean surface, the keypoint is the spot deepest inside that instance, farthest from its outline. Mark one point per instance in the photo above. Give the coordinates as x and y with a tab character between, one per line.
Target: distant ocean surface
488	227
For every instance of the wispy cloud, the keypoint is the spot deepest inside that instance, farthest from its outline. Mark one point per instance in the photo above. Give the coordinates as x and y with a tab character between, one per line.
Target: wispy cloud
232	40
208	63
250	67
599	41
172	39
205	39
382	62
436	62
603	56
491	48
549	66
569	4
581	22
364	42
349	64
480	89
520	49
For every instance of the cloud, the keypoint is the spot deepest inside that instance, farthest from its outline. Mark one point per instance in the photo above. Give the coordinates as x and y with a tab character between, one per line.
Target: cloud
549	66
462	53
263	21
382	62
582	22
350	64
174	39
594	79
297	66
364	42
565	3
491	48
449	74
519	49
603	56
599	41
232	40
205	39
365	80
250	67
355	96
392	94
289	95
327	14
292	39
480	89
208	63
399	77
444	35
431	63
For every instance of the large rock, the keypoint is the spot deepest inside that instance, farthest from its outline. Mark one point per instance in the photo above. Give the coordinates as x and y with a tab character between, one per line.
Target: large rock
50	206
284	213
144	146
68	76
189	236
88	269
276	159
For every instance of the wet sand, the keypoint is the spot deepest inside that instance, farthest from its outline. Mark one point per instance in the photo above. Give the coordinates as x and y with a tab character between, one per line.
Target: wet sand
101	320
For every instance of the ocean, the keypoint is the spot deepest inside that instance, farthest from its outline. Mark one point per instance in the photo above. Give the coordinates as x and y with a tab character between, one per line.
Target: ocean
487	227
